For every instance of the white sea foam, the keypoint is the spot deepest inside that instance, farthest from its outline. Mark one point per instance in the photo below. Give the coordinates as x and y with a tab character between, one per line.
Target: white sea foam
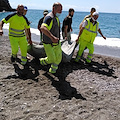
111	42
35	31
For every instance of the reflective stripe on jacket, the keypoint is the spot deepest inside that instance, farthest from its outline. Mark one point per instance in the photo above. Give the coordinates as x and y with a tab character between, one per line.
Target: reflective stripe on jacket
53	25
90	31
17	24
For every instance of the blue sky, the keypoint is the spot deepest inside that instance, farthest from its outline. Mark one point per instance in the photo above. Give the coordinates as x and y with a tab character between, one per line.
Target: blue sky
109	6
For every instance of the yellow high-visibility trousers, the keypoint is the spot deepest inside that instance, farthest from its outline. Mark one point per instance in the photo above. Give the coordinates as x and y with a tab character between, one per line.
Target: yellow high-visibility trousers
54	56
17	42
82	45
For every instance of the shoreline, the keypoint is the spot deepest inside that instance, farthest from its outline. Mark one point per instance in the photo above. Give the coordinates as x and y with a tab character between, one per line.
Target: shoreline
107	51
98	49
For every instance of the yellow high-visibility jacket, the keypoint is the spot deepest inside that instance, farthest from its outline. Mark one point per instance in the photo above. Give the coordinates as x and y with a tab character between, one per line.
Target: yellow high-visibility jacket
90	31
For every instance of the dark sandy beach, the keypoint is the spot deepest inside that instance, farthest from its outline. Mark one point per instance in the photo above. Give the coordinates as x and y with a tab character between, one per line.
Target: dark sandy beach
76	92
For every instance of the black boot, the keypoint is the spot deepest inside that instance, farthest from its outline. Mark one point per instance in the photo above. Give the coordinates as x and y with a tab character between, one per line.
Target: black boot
26	66
12	59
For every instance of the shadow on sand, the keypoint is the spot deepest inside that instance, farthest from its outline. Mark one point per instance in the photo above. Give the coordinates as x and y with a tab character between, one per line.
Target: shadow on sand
64	88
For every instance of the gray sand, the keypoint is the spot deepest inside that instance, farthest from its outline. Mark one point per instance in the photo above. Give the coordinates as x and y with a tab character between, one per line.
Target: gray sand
76	92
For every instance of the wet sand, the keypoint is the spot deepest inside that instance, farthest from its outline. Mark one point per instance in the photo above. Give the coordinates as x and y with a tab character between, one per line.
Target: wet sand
76	92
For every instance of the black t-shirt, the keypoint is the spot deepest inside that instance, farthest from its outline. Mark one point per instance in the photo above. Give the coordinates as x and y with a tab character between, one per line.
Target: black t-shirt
67	21
41	21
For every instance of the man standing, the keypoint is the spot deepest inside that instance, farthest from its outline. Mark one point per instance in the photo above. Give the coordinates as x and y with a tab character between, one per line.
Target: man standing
87	35
40	23
66	27
88	16
24	13
17	24
25	10
51	36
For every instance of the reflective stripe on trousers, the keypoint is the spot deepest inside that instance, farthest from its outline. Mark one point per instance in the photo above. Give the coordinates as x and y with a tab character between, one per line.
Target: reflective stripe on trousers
23	60
43	61
89	58
53	53
53	68
17	42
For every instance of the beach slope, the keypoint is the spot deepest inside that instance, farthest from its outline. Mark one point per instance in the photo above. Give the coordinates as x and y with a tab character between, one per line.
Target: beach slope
76	92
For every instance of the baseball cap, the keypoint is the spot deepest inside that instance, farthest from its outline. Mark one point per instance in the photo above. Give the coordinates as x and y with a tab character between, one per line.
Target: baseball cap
45	12
25	8
95	13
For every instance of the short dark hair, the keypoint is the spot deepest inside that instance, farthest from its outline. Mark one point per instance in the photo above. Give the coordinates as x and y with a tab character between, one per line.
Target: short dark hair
93	9
56	4
71	9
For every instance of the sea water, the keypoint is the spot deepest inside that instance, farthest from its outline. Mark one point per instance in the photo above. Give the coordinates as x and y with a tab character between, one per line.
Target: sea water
109	24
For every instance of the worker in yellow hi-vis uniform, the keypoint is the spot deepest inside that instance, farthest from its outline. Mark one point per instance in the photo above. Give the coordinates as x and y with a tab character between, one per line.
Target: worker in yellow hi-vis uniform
17	24
51	36
87	35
